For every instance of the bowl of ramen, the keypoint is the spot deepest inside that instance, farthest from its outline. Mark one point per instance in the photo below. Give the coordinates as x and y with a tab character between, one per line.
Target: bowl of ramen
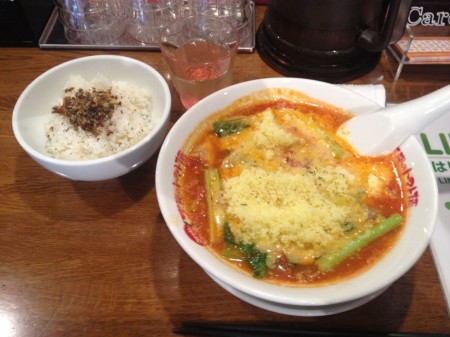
259	190
93	118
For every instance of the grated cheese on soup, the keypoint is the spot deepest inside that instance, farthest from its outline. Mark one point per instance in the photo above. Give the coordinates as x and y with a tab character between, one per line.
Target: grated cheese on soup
127	119
300	209
299	213
269	134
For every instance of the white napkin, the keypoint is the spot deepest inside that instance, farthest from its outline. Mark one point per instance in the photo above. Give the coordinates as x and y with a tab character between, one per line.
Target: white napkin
374	92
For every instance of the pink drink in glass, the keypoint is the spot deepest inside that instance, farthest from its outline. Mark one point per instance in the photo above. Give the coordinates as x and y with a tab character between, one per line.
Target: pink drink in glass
199	52
199	69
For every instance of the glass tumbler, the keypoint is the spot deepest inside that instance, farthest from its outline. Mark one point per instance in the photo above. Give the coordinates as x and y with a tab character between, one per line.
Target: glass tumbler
199	51
91	21
146	18
236	12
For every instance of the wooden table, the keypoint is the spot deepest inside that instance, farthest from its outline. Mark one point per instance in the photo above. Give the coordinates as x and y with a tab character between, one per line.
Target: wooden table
96	258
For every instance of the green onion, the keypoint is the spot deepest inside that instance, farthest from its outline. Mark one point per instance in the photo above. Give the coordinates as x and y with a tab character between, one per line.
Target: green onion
216	213
328	261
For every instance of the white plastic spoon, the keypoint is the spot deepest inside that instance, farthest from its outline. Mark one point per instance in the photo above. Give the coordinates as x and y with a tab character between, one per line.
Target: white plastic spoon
382	131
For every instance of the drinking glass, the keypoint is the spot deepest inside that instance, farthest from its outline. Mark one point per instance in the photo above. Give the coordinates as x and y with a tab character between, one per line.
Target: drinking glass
147	18
237	12
199	51
91	21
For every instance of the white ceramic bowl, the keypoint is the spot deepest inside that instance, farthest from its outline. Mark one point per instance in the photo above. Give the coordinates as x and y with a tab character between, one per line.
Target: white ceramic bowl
34	106
311	301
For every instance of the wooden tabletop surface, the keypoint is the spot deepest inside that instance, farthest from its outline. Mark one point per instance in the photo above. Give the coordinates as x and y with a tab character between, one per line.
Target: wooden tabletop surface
96	258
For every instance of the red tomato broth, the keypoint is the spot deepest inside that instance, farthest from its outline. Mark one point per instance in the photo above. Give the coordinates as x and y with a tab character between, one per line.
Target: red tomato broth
204	149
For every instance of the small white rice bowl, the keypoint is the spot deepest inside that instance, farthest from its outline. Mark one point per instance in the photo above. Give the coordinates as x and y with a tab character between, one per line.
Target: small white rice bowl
136	130
130	121
301	301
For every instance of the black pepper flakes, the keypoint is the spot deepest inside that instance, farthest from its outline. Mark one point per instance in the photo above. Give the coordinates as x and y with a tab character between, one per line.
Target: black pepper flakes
88	109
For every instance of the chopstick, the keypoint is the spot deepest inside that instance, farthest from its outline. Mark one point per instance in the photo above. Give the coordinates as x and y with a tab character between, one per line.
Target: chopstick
244	330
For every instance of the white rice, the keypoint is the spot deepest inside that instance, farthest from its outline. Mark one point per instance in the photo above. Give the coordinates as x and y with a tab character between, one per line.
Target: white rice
130	122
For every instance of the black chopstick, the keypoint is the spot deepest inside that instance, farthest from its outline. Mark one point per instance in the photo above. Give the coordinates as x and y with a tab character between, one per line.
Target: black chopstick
248	330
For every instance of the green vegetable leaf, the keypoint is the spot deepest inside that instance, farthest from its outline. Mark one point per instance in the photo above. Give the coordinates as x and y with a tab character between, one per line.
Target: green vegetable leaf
228	127
258	263
256	259
228	236
246	251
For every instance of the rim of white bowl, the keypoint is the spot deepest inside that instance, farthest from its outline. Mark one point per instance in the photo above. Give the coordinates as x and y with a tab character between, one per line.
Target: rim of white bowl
37	154
240	281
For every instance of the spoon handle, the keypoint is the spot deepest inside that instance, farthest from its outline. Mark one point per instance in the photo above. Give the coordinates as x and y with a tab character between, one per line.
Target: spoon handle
413	116
382	131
